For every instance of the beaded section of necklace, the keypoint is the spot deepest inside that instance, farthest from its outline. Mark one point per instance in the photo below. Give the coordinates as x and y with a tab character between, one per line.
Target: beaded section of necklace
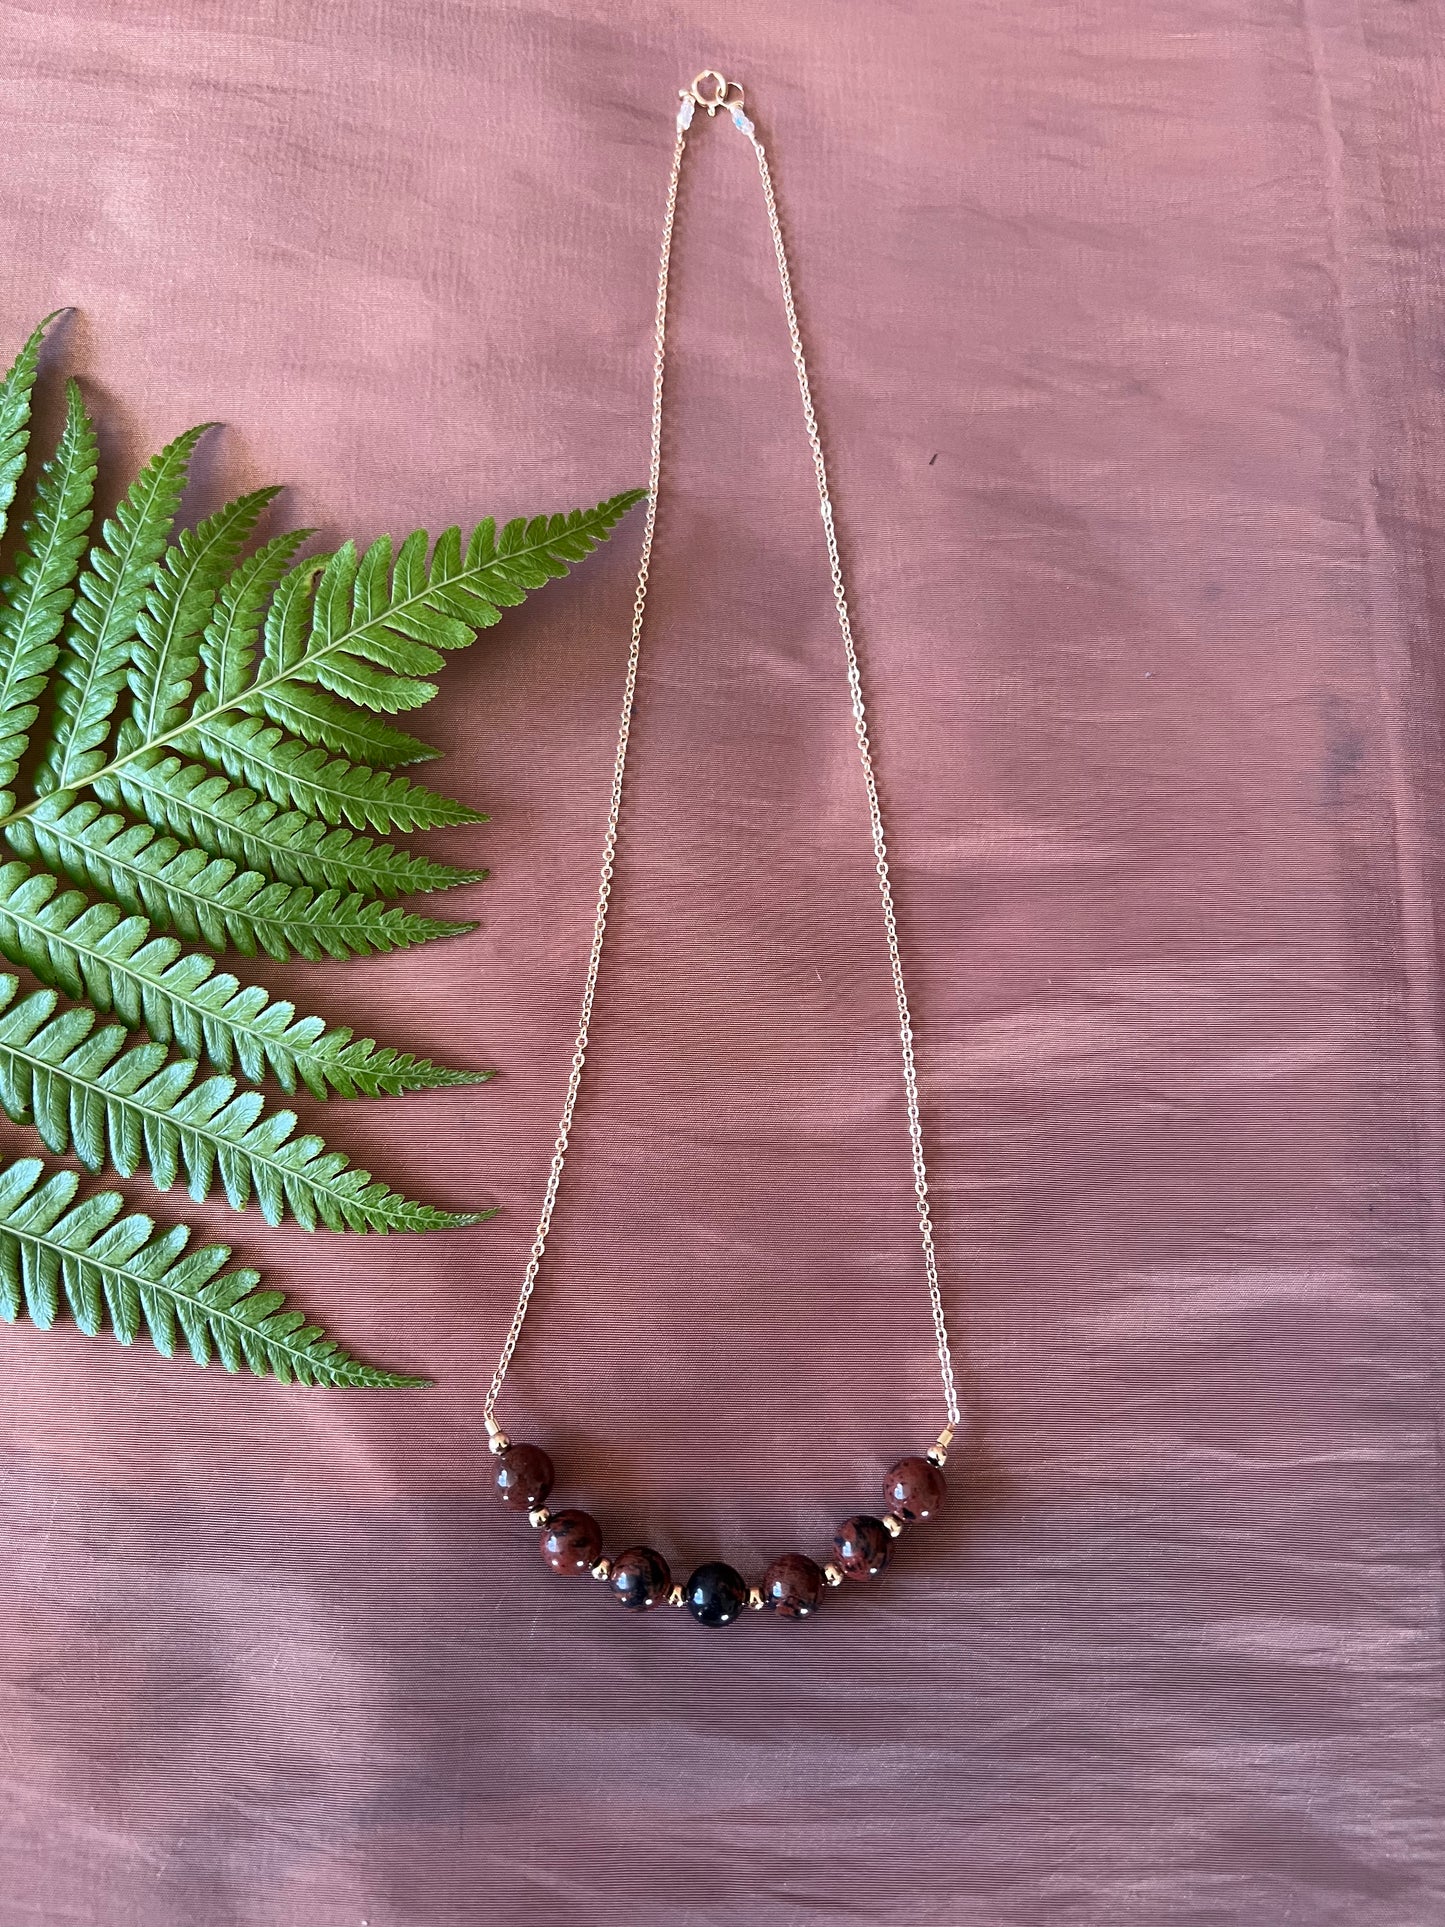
717	1594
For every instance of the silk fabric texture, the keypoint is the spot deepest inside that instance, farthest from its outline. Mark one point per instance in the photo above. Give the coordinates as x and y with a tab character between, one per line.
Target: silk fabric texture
1122	319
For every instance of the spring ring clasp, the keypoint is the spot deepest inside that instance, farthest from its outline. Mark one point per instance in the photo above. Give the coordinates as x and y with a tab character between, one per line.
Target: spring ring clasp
726	93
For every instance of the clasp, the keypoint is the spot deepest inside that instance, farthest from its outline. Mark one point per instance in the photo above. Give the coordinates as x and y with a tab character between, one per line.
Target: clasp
725	93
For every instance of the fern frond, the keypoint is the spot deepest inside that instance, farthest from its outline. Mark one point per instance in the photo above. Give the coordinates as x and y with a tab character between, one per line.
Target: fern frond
305	710
34	602
167	651
302	776
207	899
95	654
94	951
246	798
85	1091
109	1263
228	646
204	810
16	388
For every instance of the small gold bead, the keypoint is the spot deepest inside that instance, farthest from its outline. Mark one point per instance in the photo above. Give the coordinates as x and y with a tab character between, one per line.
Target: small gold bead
833	1574
538	1516
937	1453
936	1457
676	1597
755	1598
603	1569
893	1525
498	1443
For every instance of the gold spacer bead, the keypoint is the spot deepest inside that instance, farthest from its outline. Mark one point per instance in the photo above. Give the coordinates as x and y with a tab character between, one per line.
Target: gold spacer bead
538	1516
498	1443
893	1525
755	1598
833	1574
937	1453
676	1597
603	1569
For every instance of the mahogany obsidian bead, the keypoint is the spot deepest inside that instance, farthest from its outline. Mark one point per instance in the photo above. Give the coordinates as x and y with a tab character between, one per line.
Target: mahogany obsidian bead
914	1489
571	1542
792	1586
715	1594
863	1547
524	1476
640	1578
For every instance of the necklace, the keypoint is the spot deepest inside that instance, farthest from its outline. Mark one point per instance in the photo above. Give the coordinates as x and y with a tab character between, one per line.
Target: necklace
913	1487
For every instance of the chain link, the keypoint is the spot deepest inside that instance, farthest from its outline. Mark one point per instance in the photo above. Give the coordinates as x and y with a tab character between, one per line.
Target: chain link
865	752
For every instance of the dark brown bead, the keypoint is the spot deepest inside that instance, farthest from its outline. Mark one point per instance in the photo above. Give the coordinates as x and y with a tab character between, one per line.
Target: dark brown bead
640	1578
792	1586
863	1547
571	1542
915	1490
524	1476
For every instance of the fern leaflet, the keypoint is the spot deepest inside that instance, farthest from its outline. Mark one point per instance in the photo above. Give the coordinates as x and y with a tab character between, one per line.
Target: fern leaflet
83	1090
207	898
302	776
202	809
15	391
102	627
167	651
103	1265
93	951
33	603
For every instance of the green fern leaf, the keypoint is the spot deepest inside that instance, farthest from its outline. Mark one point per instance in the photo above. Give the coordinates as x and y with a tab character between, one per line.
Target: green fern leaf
93	951
228	646
83	1090
337	725
206	899
204	810
16	388
371	631
95	656
301	776
290	616
33	603
363	645
306	710
169	626
107	1263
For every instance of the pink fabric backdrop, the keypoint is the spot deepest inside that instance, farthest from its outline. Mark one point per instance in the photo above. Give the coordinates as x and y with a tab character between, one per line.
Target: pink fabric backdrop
1125	323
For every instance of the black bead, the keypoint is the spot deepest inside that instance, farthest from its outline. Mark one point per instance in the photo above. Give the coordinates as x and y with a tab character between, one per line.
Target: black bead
715	1594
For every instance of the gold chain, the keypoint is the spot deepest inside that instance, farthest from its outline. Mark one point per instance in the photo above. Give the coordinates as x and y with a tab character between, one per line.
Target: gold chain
728	96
